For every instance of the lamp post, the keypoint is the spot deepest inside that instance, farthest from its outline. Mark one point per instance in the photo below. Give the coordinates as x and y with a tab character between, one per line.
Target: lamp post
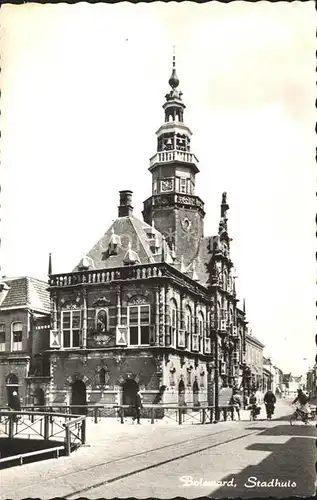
270	380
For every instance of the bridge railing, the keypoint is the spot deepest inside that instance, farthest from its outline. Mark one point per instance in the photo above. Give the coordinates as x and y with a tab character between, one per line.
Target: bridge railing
46	425
180	414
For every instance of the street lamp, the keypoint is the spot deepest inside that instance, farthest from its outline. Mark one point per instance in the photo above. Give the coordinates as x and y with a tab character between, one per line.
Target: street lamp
270	364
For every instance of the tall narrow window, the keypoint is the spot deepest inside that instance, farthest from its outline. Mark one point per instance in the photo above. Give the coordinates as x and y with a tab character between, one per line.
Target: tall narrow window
201	329
188	322
17	336
102	376
173	322
139	323
71	324
2	337
183	185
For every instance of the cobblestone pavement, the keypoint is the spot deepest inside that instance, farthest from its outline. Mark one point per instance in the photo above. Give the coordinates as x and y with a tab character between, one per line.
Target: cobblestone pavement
152	461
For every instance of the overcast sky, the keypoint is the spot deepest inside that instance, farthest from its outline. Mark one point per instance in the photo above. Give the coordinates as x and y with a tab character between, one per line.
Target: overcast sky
82	94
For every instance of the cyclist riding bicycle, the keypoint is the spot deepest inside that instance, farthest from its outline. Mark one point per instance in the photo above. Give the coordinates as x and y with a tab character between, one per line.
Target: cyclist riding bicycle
253	405
302	399
269	400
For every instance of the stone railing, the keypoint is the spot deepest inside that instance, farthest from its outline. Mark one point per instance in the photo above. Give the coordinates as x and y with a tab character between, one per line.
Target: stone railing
156	270
173	155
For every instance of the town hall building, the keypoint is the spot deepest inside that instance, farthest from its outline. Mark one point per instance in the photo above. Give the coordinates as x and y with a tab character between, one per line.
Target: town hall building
153	305
147	304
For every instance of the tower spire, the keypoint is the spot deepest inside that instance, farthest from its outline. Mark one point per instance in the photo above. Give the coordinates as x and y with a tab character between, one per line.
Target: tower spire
174	81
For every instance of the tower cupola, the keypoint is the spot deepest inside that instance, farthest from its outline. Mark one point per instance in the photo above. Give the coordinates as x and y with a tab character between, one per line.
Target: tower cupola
175	209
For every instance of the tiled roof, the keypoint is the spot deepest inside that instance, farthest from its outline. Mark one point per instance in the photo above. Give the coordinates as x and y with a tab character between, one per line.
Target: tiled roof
131	230
26	292
197	268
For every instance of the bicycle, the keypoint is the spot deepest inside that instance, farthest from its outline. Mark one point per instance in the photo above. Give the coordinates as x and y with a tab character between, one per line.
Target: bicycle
300	416
254	411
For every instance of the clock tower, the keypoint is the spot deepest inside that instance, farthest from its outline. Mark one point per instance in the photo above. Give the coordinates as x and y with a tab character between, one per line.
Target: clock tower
173	208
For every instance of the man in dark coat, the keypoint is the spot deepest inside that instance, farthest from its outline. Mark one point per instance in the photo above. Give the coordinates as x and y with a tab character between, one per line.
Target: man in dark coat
269	400
138	407
15	404
236	401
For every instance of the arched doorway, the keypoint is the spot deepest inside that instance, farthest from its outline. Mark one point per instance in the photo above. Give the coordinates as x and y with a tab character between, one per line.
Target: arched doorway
181	393
39	398
79	398
129	390
195	393
12	386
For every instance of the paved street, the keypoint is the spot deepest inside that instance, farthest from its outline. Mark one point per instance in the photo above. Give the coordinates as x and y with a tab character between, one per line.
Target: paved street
153	461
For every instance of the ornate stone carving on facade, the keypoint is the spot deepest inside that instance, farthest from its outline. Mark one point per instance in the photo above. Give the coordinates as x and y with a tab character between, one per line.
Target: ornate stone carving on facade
172	375
72	302
76	376
102	339
101	302
138	300
159	365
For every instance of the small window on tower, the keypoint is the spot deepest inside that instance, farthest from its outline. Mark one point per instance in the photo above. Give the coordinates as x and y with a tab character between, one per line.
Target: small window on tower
183	185
155	187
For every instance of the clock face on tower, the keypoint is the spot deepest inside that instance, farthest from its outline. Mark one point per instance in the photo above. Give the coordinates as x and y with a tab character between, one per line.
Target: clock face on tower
167	185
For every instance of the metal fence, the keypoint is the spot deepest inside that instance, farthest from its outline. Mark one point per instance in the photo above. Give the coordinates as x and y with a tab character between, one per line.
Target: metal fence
188	414
46	425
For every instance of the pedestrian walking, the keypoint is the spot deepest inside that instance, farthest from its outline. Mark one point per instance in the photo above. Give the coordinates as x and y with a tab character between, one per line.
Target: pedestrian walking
15	404
236	401
138	406
269	401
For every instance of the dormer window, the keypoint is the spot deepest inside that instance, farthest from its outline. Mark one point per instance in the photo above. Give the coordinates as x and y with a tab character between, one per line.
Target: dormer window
114	243
131	257
86	263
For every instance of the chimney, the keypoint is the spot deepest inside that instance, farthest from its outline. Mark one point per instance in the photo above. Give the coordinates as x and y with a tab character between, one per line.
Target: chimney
125	208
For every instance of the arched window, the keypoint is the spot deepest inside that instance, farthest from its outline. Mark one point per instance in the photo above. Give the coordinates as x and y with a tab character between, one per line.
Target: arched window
189	326
16	336
201	329
225	280
102	321
231	317
195	393
173	316
201	324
